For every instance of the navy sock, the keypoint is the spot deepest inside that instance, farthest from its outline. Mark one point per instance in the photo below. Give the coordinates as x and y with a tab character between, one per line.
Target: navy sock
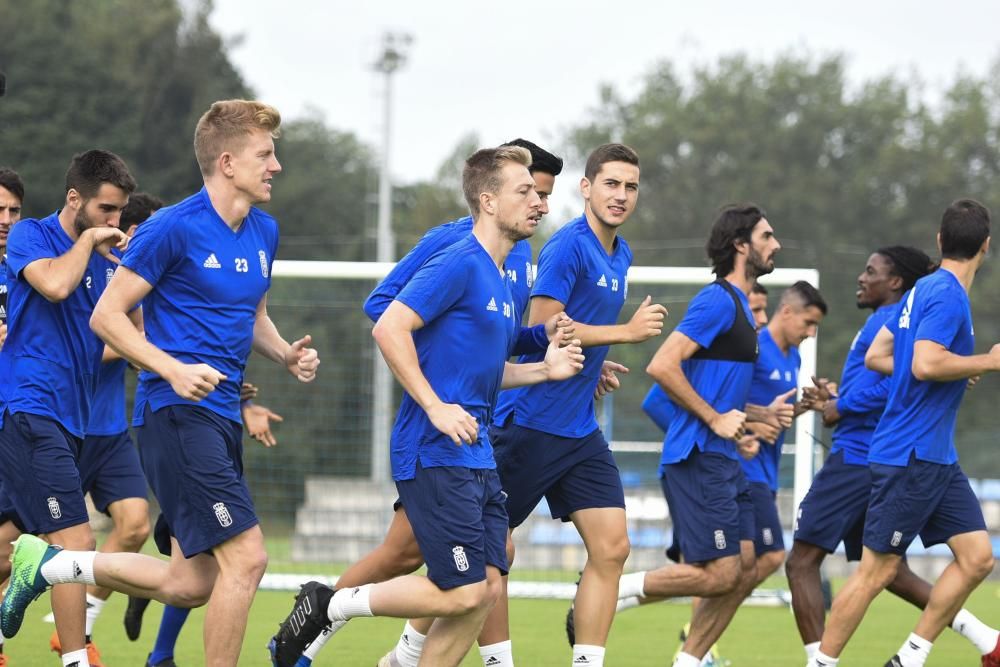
170	627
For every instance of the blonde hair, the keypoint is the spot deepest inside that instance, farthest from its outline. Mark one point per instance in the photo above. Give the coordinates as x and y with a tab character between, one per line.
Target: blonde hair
482	172
226	125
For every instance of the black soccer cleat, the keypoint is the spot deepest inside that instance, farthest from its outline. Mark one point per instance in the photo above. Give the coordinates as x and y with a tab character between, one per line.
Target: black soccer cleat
894	661
133	616
302	626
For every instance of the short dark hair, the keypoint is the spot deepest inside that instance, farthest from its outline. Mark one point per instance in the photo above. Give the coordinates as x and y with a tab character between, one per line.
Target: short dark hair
910	264
965	226
140	206
541	159
757	288
806	295
734	224
9	180
88	171
609	153
483	172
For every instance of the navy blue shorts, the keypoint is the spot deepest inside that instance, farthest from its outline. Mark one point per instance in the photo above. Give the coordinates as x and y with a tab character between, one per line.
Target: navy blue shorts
767	525
193	460
710	504
459	520
932	500
570	473
110	469
835	506
40	475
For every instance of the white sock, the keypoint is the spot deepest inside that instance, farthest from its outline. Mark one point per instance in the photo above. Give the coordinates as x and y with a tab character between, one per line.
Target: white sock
585	654
409	647
328	632
683	659
347	603
76	659
94	607
627	603
914	651
497	655
823	660
966	624
70	567
630	585
811	650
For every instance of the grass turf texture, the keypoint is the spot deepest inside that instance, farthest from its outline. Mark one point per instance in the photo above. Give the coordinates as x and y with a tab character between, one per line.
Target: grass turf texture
643	636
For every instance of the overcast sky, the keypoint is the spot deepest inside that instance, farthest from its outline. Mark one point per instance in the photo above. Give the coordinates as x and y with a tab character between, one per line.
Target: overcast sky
506	69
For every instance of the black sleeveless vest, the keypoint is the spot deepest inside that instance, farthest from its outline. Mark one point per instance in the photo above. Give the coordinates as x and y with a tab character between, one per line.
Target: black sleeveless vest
739	343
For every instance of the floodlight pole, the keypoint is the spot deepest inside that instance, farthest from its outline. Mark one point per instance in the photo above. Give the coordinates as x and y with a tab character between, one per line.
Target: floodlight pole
392	57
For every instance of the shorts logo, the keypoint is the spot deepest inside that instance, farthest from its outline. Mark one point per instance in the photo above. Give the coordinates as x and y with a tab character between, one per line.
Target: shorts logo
720	539
897	537
798	516
222	514
54	508
768	536
263	262
461	562
109	273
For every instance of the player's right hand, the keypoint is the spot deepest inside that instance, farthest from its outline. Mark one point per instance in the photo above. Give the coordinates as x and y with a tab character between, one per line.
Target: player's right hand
104	239
748	446
194	382
560	327
730	425
452	420
647	320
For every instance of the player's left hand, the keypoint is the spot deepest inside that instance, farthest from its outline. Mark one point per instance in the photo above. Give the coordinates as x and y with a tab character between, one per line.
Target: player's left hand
563	362
768	432
830	413
748	446
969	385
302	360
257	420
782	409
248	392
560	327
609	381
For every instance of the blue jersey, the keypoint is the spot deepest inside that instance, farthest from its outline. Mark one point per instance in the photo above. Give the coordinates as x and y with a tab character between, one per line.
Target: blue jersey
774	373
724	383
863	393
107	415
51	358
518	268
919	416
3	288
468	331
659	407
207	283
573	269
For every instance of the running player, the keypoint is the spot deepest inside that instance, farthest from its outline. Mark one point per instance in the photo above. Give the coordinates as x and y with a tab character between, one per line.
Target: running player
446	337
918	486
58	267
201	268
706	366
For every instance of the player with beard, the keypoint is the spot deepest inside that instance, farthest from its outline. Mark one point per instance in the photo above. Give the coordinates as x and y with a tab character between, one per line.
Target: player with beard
58	267
706	367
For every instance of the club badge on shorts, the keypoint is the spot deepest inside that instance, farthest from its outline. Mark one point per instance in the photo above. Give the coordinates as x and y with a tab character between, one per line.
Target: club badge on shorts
54	508
461	561
223	515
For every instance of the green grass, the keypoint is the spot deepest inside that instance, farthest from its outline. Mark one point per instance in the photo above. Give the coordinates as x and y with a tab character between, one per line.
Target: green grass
643	636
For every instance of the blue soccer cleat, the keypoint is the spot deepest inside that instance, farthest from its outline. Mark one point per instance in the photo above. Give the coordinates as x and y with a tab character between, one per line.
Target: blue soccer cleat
26	581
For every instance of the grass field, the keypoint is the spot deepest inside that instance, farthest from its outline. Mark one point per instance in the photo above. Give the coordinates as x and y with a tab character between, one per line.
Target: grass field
758	637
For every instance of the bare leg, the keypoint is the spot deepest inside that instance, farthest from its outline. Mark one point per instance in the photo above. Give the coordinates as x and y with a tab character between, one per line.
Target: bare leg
973	563
849	607
131	529
449	639
398	554
910	587
768	564
496	628
712	615
604	533
806	585
69	601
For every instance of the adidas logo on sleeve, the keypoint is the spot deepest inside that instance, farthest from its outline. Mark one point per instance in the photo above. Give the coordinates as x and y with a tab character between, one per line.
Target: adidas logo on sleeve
212	262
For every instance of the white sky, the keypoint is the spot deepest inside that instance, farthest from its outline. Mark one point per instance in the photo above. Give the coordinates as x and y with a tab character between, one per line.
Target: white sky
511	68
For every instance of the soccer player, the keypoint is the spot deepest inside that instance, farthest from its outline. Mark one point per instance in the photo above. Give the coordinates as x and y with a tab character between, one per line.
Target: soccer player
775	376
547	440
447	337
706	366
201	269
918	486
58	267
399	553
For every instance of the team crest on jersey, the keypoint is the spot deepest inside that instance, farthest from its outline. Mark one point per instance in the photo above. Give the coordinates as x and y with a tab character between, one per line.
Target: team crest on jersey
720	539
263	262
529	275
223	515
461	562
54	510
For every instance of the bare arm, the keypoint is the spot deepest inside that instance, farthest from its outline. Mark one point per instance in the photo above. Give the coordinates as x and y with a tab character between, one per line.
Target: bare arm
55	278
298	358
645	323
561	362
393	334
879	355
933	362
665	368
111	322
135	316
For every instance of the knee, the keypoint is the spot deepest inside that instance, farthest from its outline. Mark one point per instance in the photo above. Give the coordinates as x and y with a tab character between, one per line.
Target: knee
800	563
977	565
611	554
133	531
408	560
511	551
724	577
188	595
472	597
